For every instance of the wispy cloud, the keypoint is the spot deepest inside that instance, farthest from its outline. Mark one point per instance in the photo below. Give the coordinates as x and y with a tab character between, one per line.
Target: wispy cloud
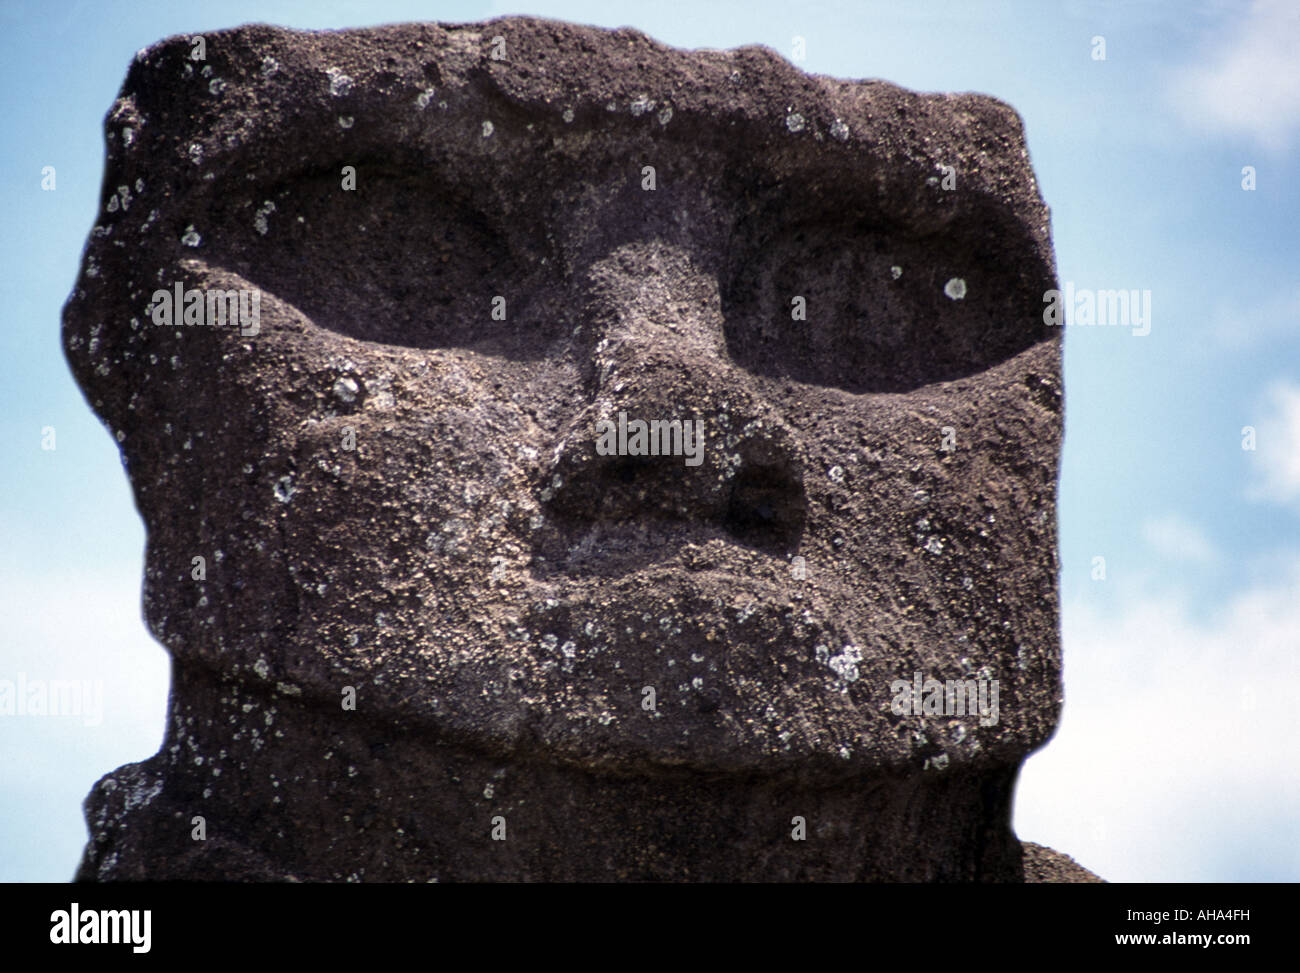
76	626
1174	759
1277	447
1178	539
1244	82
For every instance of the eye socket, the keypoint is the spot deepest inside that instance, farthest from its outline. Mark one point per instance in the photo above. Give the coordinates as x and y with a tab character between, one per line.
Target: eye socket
404	259
879	314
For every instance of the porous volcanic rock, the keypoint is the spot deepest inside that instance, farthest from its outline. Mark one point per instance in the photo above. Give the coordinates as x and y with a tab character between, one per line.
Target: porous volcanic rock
427	622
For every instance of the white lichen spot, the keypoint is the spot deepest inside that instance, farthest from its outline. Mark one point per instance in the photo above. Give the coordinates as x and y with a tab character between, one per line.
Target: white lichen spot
836	473
666	115
216	86
488	129
346	389
345	121
895	272
567	115
196	152
839	131
488	791
261	668
955	288
191	237
284	489
934	545
259	218
794	122
340	83
641	104
269	66
425	96
845	665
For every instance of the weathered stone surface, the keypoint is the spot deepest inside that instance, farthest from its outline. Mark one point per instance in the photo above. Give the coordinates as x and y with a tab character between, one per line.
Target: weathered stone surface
1044	866
397	492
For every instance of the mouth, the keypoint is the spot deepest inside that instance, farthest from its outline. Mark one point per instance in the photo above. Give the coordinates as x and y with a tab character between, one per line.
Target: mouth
714	616
653	549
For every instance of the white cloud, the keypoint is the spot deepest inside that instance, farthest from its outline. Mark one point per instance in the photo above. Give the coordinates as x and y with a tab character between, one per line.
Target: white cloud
1245	82
1176	757
82	627
1178	539
1277	446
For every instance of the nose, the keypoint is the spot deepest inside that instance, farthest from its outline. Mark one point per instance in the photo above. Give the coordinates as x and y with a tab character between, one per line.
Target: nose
657	355
648	302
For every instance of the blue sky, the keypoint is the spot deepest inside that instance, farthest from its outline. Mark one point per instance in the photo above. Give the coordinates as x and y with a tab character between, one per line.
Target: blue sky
1177	758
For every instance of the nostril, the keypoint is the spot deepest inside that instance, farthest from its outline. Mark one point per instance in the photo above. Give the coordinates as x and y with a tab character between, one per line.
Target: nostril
766	508
626	469
618	489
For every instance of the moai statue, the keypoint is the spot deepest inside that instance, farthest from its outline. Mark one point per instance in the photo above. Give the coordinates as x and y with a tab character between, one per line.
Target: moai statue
611	462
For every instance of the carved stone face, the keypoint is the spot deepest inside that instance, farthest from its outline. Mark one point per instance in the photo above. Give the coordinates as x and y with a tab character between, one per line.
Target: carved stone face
396	482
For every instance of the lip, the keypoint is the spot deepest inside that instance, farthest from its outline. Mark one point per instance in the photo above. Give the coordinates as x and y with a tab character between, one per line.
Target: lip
671	607
633	546
673	572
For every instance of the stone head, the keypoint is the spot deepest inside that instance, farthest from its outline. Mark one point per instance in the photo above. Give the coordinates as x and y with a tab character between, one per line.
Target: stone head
488	273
